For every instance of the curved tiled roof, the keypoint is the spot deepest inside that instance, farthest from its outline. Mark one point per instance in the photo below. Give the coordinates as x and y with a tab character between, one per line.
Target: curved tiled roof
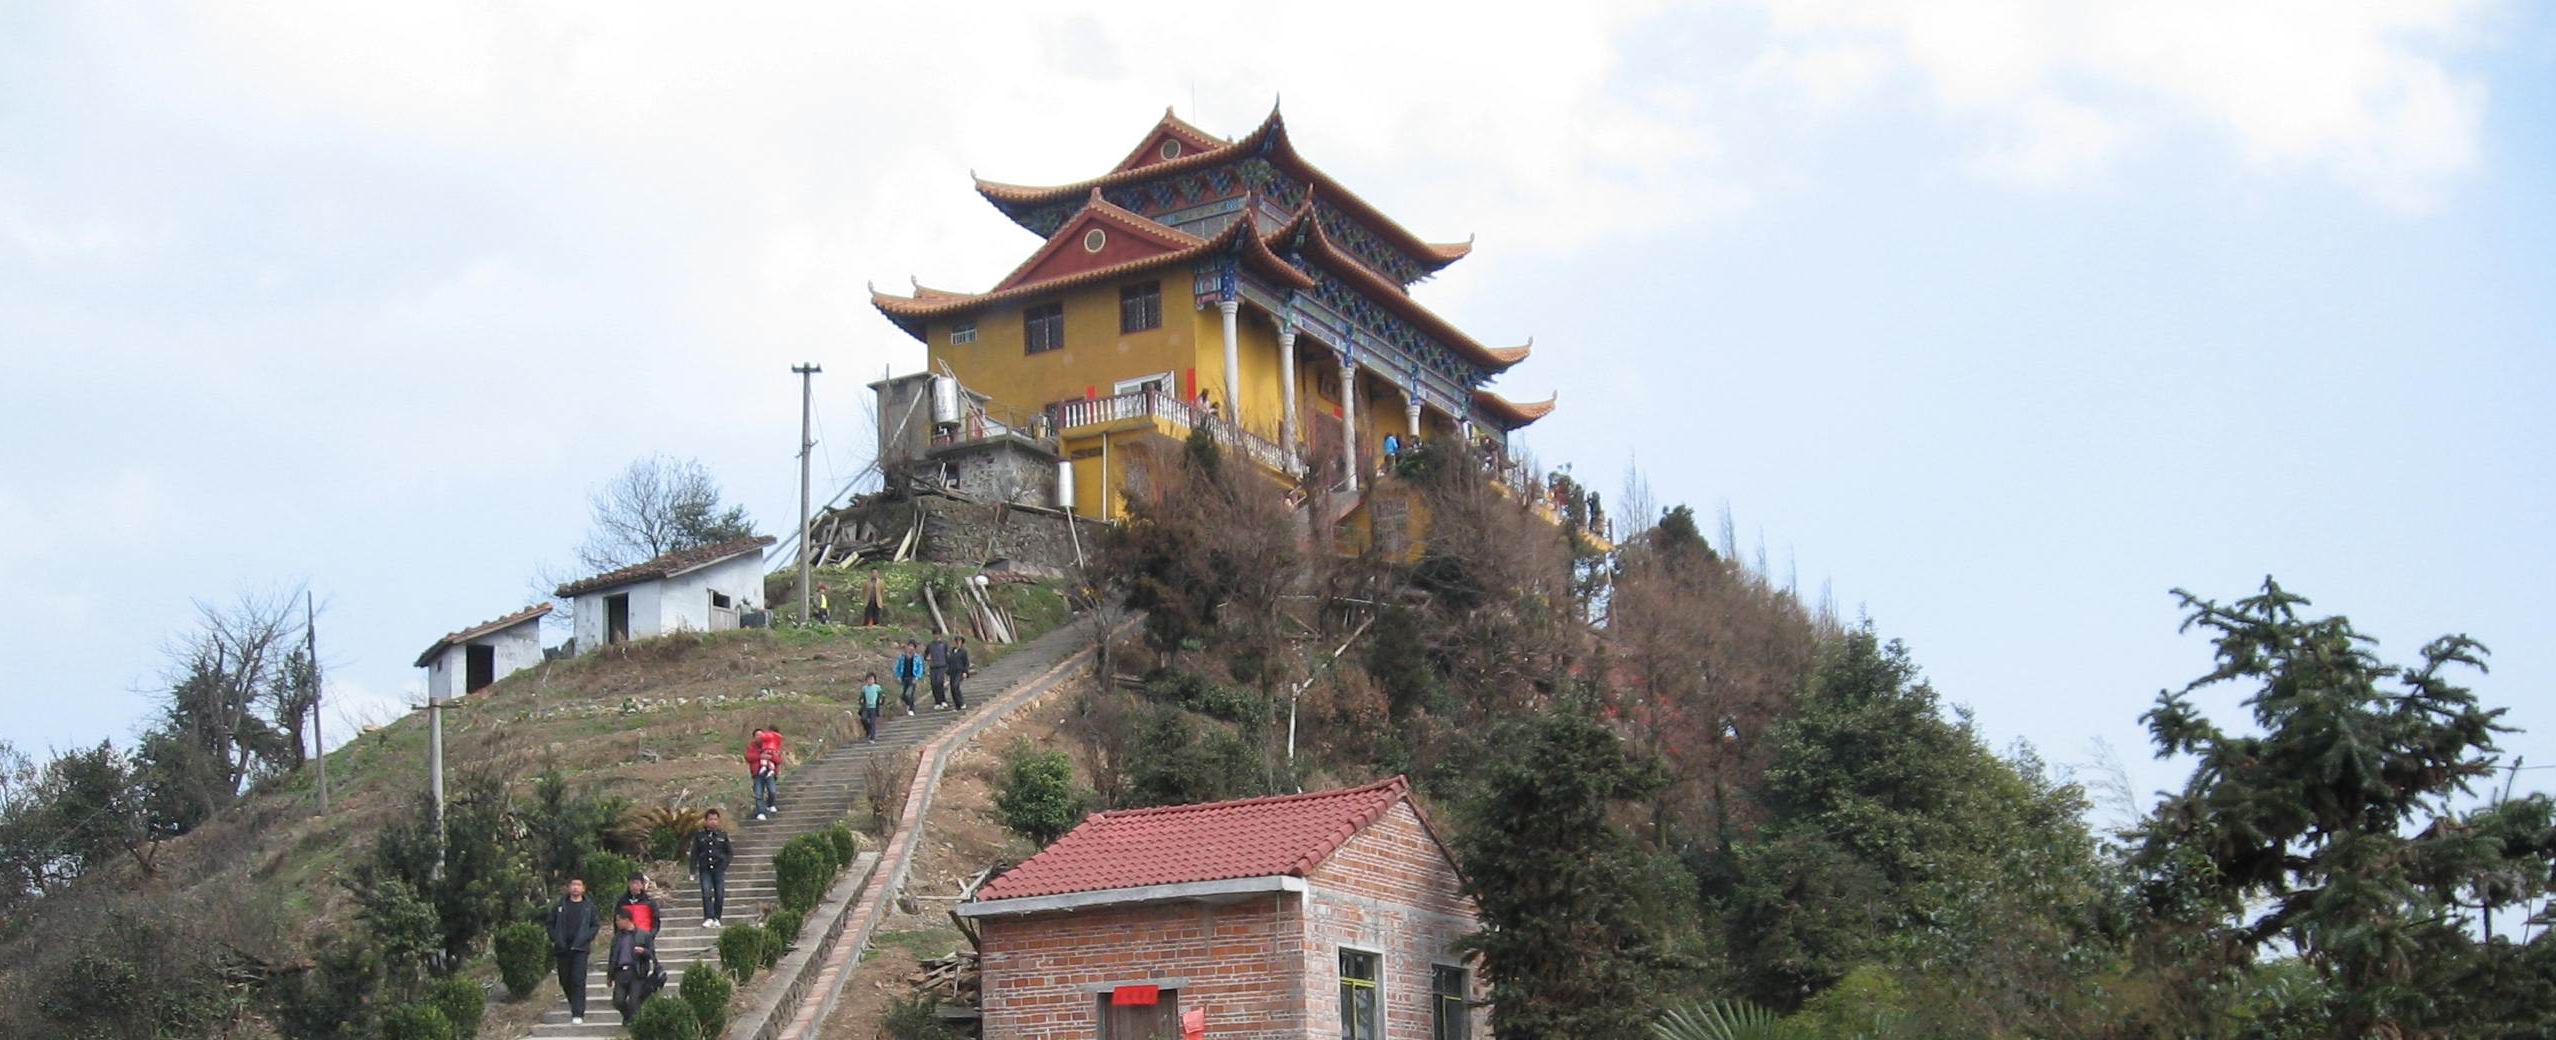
481	629
1272	133
1282	836
1512	414
666	566
909	312
1101	211
1318	247
1513	355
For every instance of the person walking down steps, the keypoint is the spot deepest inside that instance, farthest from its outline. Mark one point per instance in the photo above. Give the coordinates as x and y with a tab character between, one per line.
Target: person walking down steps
636	974
763	760
573	923
957	659
871	694
711	852
909	669
936	662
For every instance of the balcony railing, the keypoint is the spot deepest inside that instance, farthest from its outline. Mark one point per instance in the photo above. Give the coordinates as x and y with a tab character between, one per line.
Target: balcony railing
1156	404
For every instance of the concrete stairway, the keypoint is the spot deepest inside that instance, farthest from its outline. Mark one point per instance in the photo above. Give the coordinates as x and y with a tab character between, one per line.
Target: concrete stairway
812	797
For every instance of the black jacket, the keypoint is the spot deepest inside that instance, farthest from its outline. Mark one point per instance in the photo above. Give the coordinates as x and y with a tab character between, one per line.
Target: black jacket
573	925
627	955
958	661
711	849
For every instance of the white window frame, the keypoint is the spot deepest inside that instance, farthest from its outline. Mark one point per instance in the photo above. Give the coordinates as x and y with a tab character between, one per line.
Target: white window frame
963	333
1170	381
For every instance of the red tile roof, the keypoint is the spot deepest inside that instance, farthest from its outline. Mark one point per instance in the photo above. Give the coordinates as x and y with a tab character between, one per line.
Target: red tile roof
1286	835
910	312
481	629
666	566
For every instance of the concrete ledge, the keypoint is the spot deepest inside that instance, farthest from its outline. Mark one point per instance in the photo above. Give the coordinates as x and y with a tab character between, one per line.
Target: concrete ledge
897	854
765	1014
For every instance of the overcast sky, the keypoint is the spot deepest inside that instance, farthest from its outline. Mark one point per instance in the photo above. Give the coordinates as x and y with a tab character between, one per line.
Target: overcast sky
2000	318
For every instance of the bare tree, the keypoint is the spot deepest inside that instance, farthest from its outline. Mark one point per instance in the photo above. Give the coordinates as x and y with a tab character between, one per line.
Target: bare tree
656	506
228	716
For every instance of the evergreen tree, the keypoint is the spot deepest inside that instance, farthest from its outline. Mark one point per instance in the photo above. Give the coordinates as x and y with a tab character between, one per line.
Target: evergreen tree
1569	948
2325	829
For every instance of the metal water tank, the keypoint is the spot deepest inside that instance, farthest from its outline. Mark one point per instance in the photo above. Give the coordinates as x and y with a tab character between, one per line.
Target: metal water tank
1065	486
945	401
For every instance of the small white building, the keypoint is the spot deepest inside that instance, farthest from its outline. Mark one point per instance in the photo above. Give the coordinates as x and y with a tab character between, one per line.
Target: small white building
702	589
474	657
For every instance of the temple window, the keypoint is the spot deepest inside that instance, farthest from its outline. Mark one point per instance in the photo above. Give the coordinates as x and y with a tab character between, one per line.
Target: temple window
1043	327
962	334
1140	307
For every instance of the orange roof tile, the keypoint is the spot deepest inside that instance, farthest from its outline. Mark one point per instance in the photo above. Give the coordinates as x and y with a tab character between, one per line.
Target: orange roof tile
1282	836
1511	414
1513	355
1099	210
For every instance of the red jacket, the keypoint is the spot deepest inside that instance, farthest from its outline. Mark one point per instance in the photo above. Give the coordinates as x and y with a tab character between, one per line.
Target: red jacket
763	751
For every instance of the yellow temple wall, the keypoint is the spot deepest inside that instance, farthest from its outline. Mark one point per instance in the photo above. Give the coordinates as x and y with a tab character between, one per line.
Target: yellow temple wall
1096	355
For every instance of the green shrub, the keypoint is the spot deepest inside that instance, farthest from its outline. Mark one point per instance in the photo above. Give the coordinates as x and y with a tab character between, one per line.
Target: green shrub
1172	763
605	873
847	847
1205	696
523	957
463	1002
664	843
784	926
1036	793
708	993
802	870
741	951
666	1020
915	1017
416	1022
772	947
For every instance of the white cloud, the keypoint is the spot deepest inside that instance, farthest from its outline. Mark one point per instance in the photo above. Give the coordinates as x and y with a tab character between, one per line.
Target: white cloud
2056	91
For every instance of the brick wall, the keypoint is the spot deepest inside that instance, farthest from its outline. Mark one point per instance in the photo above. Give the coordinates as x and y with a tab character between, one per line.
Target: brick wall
1389	891
1266	968
1043	974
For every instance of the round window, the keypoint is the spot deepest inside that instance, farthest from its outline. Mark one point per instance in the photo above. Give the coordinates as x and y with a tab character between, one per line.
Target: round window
1170	149
1094	239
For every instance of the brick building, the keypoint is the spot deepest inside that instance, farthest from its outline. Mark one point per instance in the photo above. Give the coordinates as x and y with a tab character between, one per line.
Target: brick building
1333	914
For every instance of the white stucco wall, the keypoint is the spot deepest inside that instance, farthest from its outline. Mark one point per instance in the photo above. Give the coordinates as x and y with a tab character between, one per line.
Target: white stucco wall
675	604
518	647
685	599
644	620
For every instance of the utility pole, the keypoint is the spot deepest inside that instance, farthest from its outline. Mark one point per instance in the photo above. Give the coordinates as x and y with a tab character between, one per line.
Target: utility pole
310	649
435	768
807	412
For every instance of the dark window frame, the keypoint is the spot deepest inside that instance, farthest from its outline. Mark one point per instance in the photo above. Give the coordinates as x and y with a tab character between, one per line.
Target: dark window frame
1043	327
963	333
1140	307
1450	1002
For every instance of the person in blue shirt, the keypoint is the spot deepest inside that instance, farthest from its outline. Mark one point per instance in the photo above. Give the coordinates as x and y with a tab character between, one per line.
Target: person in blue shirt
871	694
909	670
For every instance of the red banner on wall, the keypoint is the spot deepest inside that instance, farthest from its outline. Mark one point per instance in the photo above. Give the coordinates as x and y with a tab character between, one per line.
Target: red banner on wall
1193	1024
1136	996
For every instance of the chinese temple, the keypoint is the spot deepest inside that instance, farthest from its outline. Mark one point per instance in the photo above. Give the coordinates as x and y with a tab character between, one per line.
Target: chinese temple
1301	341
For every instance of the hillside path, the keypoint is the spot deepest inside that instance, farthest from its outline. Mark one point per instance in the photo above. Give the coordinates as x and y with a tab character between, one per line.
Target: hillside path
813	796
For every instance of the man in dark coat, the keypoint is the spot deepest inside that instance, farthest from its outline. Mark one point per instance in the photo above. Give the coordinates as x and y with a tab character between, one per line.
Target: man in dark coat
573	923
636	974
957	658
936	661
710	854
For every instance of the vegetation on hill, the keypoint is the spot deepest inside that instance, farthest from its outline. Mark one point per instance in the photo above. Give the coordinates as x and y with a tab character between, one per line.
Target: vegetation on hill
1674	786
263	918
